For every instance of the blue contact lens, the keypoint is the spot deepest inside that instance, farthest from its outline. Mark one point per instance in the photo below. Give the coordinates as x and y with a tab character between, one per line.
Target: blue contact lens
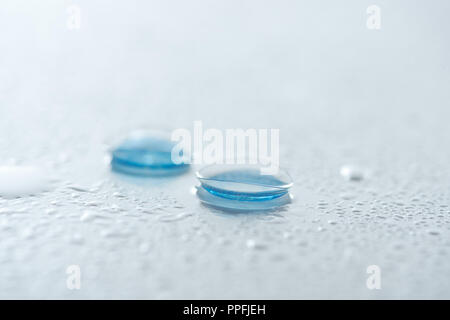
243	187
146	153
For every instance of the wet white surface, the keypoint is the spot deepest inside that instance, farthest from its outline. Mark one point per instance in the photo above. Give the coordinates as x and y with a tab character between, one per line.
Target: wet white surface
341	95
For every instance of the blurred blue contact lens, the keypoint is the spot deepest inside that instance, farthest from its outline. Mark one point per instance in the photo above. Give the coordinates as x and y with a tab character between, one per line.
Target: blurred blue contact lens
243	187
146	153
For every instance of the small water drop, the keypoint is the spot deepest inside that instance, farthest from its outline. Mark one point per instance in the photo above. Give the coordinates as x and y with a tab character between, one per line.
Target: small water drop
93	204
77	239
115	208
147	153
144	247
28	233
118	195
287	235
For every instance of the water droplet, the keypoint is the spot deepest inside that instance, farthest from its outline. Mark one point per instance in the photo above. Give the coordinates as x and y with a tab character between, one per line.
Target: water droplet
50	211
347	196
243	182
147	153
243	187
79	188
144	247
287	235
18	181
111	233
175	217
4	224
115	208
352	173
27	233
118	195
77	239
89	215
